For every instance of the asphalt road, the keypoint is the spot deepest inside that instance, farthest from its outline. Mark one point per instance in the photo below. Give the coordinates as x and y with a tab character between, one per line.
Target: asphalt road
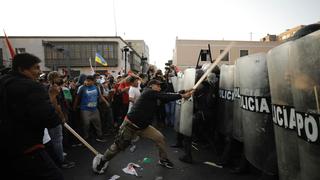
150	171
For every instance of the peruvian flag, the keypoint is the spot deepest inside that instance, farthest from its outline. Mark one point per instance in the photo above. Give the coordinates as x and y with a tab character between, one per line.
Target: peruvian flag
12	53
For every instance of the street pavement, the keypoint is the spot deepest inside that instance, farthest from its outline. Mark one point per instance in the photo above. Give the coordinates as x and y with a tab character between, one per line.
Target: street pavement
149	170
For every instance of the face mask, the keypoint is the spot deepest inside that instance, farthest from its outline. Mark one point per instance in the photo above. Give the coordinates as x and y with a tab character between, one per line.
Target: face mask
98	81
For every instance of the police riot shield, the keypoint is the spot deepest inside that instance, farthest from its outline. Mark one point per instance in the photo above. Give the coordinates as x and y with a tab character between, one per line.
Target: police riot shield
283	113
174	82
305	60
179	87
186	116
258	134
226	100
237	119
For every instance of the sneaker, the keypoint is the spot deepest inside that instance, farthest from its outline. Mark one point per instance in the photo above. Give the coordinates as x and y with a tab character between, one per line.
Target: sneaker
101	140
166	163
67	164
101	165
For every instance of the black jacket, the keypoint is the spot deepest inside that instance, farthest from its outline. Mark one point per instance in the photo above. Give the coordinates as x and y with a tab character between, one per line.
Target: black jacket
145	107
29	111
206	97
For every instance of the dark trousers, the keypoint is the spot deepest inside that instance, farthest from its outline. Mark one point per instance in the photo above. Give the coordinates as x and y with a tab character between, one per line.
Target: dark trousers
36	166
186	141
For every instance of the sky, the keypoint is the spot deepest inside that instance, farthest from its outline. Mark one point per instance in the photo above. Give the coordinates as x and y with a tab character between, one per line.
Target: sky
159	22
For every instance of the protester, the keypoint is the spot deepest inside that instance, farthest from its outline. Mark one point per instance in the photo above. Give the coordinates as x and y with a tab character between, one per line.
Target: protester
134	92
56	134
138	122
25	112
88	96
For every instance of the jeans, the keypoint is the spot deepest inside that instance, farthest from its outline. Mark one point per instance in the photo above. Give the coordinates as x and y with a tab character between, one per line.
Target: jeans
170	113
56	142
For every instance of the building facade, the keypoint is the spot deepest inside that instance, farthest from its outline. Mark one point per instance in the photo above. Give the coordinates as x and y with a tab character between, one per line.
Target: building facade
75	53
143	50
186	52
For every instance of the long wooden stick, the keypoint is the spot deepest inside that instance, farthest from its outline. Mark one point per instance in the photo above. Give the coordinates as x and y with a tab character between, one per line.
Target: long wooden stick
95	152
316	95
221	56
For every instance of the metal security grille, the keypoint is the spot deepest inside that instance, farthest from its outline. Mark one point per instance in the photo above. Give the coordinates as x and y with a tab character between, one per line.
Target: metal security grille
57	53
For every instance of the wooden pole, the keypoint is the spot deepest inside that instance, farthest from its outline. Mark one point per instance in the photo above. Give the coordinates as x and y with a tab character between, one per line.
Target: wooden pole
95	152
221	56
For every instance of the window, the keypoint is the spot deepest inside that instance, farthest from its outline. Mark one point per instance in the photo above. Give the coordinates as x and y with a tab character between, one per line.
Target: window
77	51
20	50
244	53
226	57
57	53
48	53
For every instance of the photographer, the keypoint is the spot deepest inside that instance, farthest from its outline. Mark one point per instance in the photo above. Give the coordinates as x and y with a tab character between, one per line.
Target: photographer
170	106
160	111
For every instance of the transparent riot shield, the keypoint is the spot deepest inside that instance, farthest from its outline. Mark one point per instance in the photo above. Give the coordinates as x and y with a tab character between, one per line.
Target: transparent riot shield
237	119
179	87
258	133
226	100
305	63
174	80
283	113
186	116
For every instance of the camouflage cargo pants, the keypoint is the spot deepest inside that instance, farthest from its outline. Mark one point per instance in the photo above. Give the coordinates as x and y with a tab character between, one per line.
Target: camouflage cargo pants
127	132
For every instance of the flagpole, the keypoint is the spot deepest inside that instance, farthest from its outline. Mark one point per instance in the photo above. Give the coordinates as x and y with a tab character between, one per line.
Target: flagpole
92	70
9	45
8	61
115	19
95	65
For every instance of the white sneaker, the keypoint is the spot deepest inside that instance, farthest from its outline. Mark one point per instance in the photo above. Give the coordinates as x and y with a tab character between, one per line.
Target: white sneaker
99	165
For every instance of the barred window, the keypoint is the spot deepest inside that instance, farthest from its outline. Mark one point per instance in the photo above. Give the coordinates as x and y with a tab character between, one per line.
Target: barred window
244	53
57	53
20	50
226	57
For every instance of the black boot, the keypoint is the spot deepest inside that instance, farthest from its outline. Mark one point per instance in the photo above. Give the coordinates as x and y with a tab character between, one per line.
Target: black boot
187	143
243	166
186	159
179	141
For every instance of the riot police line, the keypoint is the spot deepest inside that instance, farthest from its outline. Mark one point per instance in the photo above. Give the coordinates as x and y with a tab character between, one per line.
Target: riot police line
269	102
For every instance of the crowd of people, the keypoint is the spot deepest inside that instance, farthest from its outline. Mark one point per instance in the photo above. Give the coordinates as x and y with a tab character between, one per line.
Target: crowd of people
37	106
